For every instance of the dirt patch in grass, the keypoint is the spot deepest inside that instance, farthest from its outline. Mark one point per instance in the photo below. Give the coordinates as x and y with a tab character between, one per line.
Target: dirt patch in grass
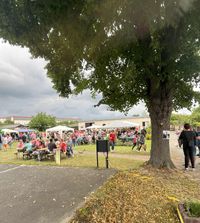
145	195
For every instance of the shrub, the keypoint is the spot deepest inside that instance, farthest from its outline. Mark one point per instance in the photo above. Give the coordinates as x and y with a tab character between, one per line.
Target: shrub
148	136
193	208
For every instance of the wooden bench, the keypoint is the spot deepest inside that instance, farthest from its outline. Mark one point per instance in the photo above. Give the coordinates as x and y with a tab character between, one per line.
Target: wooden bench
17	154
50	156
27	155
43	156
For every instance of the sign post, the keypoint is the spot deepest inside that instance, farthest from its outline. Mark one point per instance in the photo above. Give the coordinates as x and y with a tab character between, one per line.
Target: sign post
58	156
102	146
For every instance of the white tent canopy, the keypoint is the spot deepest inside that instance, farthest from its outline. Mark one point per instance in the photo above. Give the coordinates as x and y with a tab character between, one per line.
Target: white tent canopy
8	131
94	127
60	128
120	124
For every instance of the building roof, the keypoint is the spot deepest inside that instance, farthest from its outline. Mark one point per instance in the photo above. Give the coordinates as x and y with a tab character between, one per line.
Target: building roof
113	119
21	117
13	126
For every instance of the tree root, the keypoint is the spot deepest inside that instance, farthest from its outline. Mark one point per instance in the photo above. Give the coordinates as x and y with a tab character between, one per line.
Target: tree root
166	164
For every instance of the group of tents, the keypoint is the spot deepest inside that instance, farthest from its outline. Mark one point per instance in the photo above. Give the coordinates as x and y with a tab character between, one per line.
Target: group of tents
61	129
26	130
9	131
113	125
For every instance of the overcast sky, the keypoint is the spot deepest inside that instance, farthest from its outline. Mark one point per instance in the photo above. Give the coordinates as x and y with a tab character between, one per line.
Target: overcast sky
25	90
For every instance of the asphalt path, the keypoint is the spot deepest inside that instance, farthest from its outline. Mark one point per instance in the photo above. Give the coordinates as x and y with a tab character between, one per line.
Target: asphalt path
41	194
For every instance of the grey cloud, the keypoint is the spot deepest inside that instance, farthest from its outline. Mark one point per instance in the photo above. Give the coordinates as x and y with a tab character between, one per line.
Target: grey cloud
20	76
26	90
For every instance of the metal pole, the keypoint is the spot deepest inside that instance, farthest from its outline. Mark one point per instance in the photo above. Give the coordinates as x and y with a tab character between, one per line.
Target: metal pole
107	159
97	161
97	154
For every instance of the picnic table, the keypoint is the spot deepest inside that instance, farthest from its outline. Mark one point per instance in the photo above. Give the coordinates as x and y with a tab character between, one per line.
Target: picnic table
41	154
126	138
19	153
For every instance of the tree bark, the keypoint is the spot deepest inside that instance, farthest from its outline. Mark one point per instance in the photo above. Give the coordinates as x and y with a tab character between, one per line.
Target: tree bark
160	108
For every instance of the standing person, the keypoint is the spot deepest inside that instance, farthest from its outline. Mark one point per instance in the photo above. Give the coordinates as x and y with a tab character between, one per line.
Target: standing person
5	143
73	136
198	141
112	139
188	139
144	132
10	141
141	142
1	141
93	138
69	151
135	136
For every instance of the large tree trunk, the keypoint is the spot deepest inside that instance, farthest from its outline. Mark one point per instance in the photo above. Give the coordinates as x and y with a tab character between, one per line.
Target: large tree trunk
160	108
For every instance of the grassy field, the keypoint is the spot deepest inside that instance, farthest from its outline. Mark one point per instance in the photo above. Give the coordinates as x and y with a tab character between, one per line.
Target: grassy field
81	159
127	149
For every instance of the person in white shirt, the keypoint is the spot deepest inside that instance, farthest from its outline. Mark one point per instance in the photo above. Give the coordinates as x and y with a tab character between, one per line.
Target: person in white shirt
5	142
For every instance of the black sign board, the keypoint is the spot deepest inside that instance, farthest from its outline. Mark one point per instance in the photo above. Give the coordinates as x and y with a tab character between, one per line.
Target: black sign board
103	147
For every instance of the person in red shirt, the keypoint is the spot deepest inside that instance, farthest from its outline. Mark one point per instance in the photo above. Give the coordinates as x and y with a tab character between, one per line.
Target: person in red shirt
63	146
112	139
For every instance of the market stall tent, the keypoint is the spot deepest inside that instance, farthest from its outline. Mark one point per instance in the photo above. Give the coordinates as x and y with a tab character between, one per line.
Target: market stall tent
120	124
8	131
94	127
25	130
60	129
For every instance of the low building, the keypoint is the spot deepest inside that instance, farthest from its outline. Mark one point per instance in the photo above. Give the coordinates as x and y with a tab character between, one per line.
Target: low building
24	120
142	121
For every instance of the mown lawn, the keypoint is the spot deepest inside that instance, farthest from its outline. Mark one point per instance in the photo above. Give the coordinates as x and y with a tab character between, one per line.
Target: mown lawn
119	149
81	159
139	196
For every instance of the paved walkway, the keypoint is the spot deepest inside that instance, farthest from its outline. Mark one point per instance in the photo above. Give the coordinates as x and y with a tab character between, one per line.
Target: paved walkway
178	159
41	194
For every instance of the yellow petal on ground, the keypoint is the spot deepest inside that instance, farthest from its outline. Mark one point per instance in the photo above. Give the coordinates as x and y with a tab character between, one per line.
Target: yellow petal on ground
136	175
173	198
146	178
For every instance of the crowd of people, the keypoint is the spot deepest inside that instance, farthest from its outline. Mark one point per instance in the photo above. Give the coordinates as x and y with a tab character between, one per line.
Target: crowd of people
6	141
37	144
33	143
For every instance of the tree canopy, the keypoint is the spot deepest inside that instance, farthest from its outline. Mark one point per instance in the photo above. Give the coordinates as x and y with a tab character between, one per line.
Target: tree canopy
195	117
128	51
42	121
124	45
181	119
